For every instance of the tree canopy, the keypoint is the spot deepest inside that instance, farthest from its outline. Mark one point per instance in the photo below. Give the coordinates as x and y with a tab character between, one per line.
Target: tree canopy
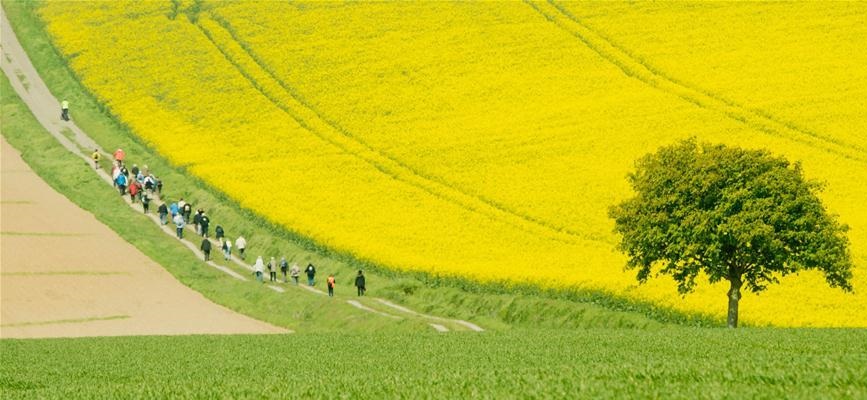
744	216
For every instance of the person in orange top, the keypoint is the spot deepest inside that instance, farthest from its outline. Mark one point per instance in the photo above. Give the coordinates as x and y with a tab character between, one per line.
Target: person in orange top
119	155
331	285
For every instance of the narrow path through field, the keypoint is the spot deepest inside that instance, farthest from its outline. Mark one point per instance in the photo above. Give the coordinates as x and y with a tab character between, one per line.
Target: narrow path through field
35	94
73	276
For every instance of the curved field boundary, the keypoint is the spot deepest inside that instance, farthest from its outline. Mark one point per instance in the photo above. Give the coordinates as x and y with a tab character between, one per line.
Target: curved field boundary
78	143
284	97
635	68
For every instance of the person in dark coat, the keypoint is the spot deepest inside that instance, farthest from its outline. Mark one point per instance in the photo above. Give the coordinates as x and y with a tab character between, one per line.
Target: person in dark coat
187	210
206	248
204	221
197	221
311	274
359	283
164	213
218	231
145	201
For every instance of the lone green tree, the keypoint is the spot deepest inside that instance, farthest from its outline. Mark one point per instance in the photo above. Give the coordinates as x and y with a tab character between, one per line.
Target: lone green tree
743	216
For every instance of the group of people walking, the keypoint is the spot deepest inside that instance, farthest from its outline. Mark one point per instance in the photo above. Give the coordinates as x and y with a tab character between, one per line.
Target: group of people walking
294	272
142	187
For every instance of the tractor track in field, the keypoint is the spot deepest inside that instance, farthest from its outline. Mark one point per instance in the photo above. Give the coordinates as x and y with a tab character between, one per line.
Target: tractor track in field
285	98
634	67
39	99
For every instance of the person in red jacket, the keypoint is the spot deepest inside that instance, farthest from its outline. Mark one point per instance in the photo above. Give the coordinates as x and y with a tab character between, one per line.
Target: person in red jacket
134	189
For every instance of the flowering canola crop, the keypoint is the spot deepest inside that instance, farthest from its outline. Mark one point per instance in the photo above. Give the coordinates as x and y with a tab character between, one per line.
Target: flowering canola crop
486	140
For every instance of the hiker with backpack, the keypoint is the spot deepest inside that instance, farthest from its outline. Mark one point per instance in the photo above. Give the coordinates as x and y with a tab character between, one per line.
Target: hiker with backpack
311	274
95	156
204	221
206	248
163	211
145	201
218	232
227	248
241	245
259	269
294	272
121	183
272	270
284	268
331	283
179	225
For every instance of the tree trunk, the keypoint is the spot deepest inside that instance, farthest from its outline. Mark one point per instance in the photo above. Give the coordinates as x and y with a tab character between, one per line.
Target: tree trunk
734	296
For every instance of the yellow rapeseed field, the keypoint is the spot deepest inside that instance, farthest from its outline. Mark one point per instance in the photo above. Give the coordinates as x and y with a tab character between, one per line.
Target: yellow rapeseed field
486	140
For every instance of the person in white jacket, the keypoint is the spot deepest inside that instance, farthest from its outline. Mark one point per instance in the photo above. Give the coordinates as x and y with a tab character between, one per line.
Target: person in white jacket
259	269
227	249
241	245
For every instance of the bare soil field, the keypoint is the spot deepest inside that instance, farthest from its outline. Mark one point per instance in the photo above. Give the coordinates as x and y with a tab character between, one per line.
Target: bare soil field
65	274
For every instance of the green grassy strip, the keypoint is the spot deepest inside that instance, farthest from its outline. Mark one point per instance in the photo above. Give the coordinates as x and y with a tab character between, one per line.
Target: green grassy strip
64	321
502	304
74	178
596	364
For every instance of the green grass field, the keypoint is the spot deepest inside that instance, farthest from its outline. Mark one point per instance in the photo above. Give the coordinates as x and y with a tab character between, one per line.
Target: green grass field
688	363
538	344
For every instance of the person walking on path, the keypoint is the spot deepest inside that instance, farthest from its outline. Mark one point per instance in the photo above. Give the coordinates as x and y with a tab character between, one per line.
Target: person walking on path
272	270
133	191
115	172
311	274
331	285
206	248
135	170
241	245
259	269
227	249
149	183
179	225
164	212
95	156
64	110
145	201
174	210
359	283
197	221
119	155
121	184
294	272
204	222
187	210
218	232
284	268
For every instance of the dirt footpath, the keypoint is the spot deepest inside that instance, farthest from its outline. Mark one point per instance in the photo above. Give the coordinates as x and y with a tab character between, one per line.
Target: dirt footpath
65	274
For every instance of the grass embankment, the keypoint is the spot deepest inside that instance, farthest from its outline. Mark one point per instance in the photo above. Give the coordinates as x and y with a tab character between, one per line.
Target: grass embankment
669	363
492	305
74	178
